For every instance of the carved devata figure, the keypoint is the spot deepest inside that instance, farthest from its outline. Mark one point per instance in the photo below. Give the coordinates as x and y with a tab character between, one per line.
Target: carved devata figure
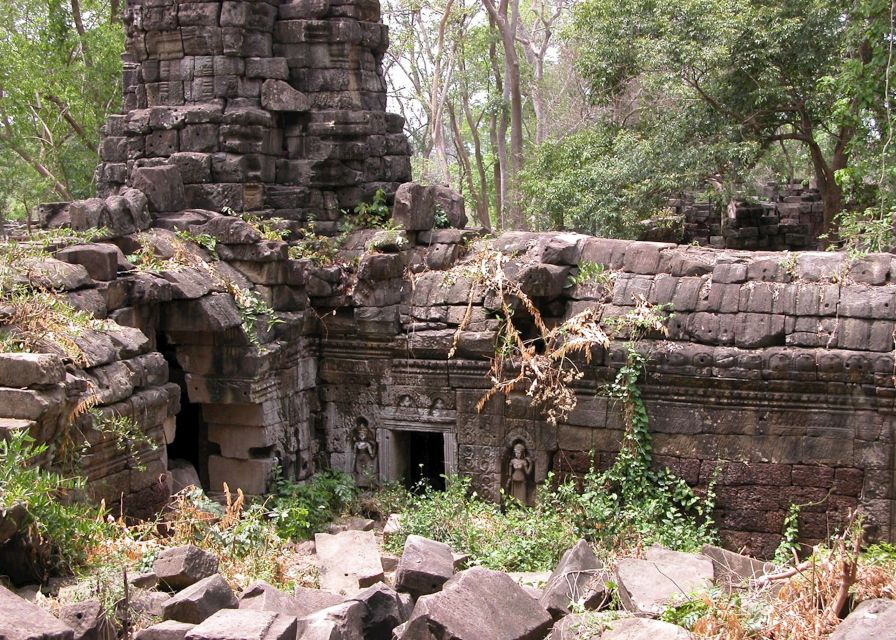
364	465
519	471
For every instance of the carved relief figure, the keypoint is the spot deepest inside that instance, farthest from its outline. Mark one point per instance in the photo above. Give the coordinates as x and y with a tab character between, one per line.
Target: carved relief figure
364	466
519	470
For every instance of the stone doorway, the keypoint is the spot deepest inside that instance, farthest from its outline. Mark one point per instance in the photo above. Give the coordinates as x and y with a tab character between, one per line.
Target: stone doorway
187	443
410	454
425	453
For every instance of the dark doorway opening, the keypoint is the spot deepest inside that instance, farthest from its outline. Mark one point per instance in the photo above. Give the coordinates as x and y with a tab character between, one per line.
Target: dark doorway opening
190	442
426	459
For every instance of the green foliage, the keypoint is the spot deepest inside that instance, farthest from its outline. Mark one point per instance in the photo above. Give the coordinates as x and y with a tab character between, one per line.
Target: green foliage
686	613
590	273
319	249
267	228
253	309
54	519
606	179
124	431
863	232
441	218
40	320
204	240
880	554
371	215
516	540
301	509
58	87
391	238
789	546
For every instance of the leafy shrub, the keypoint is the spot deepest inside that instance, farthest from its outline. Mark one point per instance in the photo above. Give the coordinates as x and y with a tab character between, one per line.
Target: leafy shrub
371	215
54	523
515	540
299	510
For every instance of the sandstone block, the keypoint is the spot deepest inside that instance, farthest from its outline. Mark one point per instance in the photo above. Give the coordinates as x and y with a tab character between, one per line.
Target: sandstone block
414	207
100	260
167	630
88	619
646	586
260	596
424	567
578	578
163	186
277	95
21	620
251	476
30	369
871	619
348	561
478	603
182	566
199	601
244	624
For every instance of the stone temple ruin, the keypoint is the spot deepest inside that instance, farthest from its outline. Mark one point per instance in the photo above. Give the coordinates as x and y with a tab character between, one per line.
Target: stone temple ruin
779	368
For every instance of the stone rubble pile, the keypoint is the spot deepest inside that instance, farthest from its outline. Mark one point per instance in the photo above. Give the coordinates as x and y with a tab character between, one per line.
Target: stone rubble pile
425	599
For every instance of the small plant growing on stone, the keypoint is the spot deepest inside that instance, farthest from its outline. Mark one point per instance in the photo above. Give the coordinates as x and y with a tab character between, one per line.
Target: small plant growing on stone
441	218
124	431
253	309
590	273
372	215
41	320
391	238
204	240
268	228
789	264
60	529
319	249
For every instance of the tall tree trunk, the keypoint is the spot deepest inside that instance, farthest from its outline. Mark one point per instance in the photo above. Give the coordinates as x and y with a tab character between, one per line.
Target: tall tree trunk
498	132
82	34
512	85
482	202
464	157
442	70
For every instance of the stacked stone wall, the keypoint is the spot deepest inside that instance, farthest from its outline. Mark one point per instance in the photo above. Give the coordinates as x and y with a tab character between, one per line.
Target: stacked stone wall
265	106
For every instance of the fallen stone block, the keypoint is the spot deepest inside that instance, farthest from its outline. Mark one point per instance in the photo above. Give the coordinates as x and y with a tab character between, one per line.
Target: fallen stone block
21	620
236	624
475	604
100	260
647	585
88	620
261	596
180	567
348	561
578	578
414	207
593	627
384	610
425	565
872	619
168	630
733	569
344	621
199	601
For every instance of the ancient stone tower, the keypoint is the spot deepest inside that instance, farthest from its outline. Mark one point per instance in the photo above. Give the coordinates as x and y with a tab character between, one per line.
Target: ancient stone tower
262	105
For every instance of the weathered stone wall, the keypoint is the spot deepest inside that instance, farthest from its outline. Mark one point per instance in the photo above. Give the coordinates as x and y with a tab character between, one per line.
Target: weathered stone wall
778	371
268	106
778	368
788	217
